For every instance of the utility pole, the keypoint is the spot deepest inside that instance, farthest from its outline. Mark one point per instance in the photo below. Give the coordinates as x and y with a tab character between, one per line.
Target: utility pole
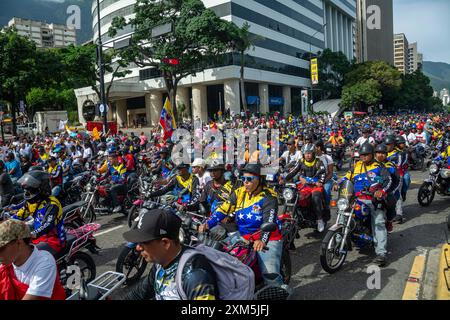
102	72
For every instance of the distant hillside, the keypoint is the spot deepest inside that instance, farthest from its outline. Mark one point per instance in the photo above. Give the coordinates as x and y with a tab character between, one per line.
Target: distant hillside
49	11
439	74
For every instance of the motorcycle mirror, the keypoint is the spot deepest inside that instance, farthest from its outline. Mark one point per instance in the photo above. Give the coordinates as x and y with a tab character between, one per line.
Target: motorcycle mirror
268	227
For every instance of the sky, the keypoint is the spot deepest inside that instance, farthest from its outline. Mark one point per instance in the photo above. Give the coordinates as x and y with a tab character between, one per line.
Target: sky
426	22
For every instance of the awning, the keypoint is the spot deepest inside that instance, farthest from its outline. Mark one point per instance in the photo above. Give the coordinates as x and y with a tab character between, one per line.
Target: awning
330	106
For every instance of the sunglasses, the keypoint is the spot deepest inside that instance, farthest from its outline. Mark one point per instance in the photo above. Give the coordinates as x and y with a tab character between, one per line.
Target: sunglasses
248	179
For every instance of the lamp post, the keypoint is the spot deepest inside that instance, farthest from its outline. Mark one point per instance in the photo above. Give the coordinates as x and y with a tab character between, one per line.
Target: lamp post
102	71
310	58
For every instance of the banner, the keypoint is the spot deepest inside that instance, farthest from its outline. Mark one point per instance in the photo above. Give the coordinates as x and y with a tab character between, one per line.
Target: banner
314	71
167	120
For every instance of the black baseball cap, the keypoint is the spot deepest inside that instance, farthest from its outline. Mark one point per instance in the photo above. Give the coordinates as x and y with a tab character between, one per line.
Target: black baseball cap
155	224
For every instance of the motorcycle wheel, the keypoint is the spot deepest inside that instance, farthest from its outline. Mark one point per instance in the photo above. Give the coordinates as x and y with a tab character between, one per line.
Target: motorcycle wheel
86	265
133	213
330	250
426	194
129	260
286	266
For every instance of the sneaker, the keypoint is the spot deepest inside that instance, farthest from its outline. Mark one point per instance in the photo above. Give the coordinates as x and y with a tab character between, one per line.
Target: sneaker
117	209
400	219
389	226
320	225
380	260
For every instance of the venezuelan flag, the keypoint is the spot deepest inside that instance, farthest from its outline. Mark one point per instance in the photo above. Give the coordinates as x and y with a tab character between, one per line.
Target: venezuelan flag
167	120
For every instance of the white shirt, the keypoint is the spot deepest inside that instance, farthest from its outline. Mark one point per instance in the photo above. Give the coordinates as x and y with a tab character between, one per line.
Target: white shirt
420	137
39	273
87	153
411	137
297	156
362	140
327	160
204	179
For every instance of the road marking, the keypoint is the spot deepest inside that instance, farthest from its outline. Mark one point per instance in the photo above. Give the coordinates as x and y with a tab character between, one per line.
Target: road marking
107	231
414	281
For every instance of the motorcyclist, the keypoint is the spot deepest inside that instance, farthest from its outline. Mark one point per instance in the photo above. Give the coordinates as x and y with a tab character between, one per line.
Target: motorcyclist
366	173
56	176
185	186
252	205
312	173
118	173
7	189
164	165
329	166
65	162
381	153
365	138
48	227
292	155
401	145
397	157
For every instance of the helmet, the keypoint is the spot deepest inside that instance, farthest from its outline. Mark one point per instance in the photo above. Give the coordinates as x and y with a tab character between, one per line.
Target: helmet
112	150
365	149
253	168
381	148
413	126
215	164
389	140
400	140
309	148
35	183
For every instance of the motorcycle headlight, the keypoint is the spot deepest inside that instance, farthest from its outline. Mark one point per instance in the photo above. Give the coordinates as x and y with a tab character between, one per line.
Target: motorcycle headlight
270	177
445	174
288	194
342	204
434	168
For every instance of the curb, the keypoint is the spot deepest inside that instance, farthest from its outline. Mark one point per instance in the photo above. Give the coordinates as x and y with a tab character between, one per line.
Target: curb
415	279
443	276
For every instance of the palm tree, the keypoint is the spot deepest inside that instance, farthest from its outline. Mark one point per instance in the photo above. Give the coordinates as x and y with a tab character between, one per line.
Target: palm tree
243	41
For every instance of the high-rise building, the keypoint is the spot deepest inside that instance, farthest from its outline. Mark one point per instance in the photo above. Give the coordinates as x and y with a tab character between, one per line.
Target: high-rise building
374	31
401	53
445	97
45	35
277	69
414	58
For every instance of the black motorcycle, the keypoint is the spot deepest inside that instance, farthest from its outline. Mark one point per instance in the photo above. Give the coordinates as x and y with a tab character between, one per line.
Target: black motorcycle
438	181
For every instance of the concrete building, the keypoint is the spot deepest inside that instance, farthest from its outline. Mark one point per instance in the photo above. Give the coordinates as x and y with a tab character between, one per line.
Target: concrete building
414	58
401	53
45	35
445	97
374	31
274	77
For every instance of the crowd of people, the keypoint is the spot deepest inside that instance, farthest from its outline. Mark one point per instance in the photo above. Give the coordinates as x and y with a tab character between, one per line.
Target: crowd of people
41	165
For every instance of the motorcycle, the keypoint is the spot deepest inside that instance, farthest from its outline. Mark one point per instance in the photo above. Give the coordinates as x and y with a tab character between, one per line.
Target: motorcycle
438	181
353	226
244	252
73	218
338	156
418	154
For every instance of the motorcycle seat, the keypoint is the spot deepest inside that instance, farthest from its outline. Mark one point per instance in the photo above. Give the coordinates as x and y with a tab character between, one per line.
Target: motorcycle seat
72	207
70	239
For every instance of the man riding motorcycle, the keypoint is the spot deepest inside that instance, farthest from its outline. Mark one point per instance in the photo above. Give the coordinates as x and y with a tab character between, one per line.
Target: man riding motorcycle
397	157
401	146
48	228
252	205
185	186
56	176
312	176
365	174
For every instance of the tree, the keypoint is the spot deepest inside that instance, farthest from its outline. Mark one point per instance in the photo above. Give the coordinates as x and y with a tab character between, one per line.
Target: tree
197	39
243	40
81	64
333	66
17	68
387	77
416	92
361	94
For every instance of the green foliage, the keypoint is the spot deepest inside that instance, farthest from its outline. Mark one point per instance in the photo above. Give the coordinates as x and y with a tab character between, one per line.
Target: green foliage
73	118
361	94
387	78
416	93
199	36
333	66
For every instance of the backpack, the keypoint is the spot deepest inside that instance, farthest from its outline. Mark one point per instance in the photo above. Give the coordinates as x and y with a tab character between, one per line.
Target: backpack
235	280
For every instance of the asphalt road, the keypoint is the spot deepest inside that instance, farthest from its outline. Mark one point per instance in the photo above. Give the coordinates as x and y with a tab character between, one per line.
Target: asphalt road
423	230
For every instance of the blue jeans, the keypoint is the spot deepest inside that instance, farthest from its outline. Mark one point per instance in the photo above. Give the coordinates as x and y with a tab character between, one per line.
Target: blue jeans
406	183
269	261
327	194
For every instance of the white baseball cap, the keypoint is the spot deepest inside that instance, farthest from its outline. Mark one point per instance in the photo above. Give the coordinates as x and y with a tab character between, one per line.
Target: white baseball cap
199	163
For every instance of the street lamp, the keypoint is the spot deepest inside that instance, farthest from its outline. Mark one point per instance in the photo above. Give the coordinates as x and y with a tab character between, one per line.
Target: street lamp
310	58
102	71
